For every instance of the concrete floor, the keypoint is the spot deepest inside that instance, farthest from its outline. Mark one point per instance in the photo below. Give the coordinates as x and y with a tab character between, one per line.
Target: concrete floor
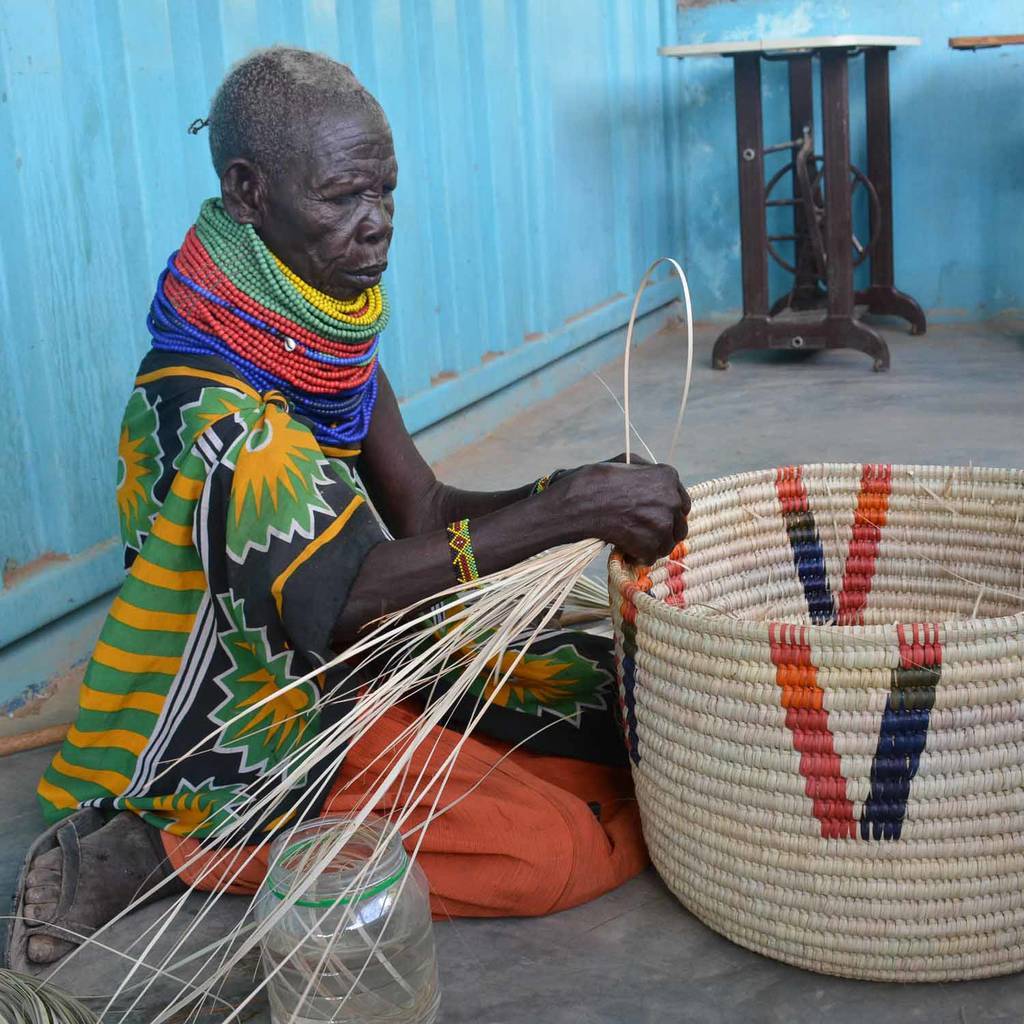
953	396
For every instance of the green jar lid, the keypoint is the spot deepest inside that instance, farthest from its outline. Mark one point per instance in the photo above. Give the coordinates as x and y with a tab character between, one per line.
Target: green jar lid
339	901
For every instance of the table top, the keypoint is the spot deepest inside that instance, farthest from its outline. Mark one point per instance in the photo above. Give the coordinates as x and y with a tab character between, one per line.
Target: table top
731	47
984	42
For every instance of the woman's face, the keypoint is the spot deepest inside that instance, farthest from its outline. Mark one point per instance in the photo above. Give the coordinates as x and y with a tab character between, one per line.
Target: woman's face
328	215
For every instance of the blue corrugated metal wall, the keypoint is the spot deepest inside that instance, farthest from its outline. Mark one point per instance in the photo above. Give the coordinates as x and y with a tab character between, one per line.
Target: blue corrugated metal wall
536	182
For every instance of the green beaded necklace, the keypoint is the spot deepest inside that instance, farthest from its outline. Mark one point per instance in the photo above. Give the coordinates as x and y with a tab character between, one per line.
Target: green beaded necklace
240	253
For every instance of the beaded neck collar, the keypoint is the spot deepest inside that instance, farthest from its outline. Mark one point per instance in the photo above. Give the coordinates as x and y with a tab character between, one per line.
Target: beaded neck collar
225	294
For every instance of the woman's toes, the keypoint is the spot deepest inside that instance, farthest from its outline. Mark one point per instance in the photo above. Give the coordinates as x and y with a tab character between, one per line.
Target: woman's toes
51	860
117	861
44	949
35	894
43	876
42	911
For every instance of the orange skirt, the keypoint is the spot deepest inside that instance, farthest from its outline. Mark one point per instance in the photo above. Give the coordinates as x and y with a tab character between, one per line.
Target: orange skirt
538	835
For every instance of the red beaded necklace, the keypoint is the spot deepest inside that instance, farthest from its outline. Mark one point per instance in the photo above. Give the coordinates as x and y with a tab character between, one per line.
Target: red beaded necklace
291	351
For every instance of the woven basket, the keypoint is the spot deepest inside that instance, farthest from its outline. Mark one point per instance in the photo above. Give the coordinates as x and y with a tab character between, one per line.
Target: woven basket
824	699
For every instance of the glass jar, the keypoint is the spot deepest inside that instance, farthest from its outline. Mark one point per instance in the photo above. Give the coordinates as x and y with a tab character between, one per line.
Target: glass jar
357	946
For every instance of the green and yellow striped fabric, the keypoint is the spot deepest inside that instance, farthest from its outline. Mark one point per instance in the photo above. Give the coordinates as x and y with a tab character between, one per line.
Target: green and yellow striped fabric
230	515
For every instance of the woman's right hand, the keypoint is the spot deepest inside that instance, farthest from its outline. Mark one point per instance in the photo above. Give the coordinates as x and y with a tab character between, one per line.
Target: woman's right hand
641	509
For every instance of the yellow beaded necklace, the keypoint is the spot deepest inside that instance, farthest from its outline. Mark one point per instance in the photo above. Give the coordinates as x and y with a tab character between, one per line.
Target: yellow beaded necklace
340	309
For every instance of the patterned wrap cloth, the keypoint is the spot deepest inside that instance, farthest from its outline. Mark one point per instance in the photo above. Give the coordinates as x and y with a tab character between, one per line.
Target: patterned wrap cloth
235	507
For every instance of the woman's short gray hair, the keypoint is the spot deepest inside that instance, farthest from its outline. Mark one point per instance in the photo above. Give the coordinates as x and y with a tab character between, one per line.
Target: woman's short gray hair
260	108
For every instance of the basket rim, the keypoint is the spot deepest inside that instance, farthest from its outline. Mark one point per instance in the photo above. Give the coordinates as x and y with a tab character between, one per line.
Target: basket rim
623	573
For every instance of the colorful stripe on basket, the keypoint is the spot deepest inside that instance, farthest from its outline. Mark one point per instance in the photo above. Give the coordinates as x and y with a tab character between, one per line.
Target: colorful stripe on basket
868	520
904	731
627	694
807	720
627	664
672	591
808	554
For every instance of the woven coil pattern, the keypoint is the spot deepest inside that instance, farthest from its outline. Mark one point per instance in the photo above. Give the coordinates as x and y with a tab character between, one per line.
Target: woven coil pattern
823	695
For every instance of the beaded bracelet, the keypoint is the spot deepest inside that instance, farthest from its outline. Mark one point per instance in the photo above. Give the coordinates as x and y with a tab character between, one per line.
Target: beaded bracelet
461	544
546	481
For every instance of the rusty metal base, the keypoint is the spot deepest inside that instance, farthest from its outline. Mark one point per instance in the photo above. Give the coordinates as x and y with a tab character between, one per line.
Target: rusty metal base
802	297
878	299
885	300
758	332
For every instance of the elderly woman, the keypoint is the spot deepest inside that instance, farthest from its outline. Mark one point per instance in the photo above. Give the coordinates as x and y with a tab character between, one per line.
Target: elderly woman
260	440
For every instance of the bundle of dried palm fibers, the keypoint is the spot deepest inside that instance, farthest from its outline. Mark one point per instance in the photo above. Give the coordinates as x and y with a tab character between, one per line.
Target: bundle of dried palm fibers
408	655
27	1000
484	618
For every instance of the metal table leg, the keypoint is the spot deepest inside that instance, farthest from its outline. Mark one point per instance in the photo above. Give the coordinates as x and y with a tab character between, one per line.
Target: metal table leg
844	331
883	296
753	229
806	293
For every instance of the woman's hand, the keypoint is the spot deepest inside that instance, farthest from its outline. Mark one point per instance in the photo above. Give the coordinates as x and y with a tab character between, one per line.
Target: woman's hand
639	508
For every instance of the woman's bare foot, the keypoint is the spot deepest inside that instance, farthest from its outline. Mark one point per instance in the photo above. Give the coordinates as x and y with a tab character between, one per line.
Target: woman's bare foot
108	869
